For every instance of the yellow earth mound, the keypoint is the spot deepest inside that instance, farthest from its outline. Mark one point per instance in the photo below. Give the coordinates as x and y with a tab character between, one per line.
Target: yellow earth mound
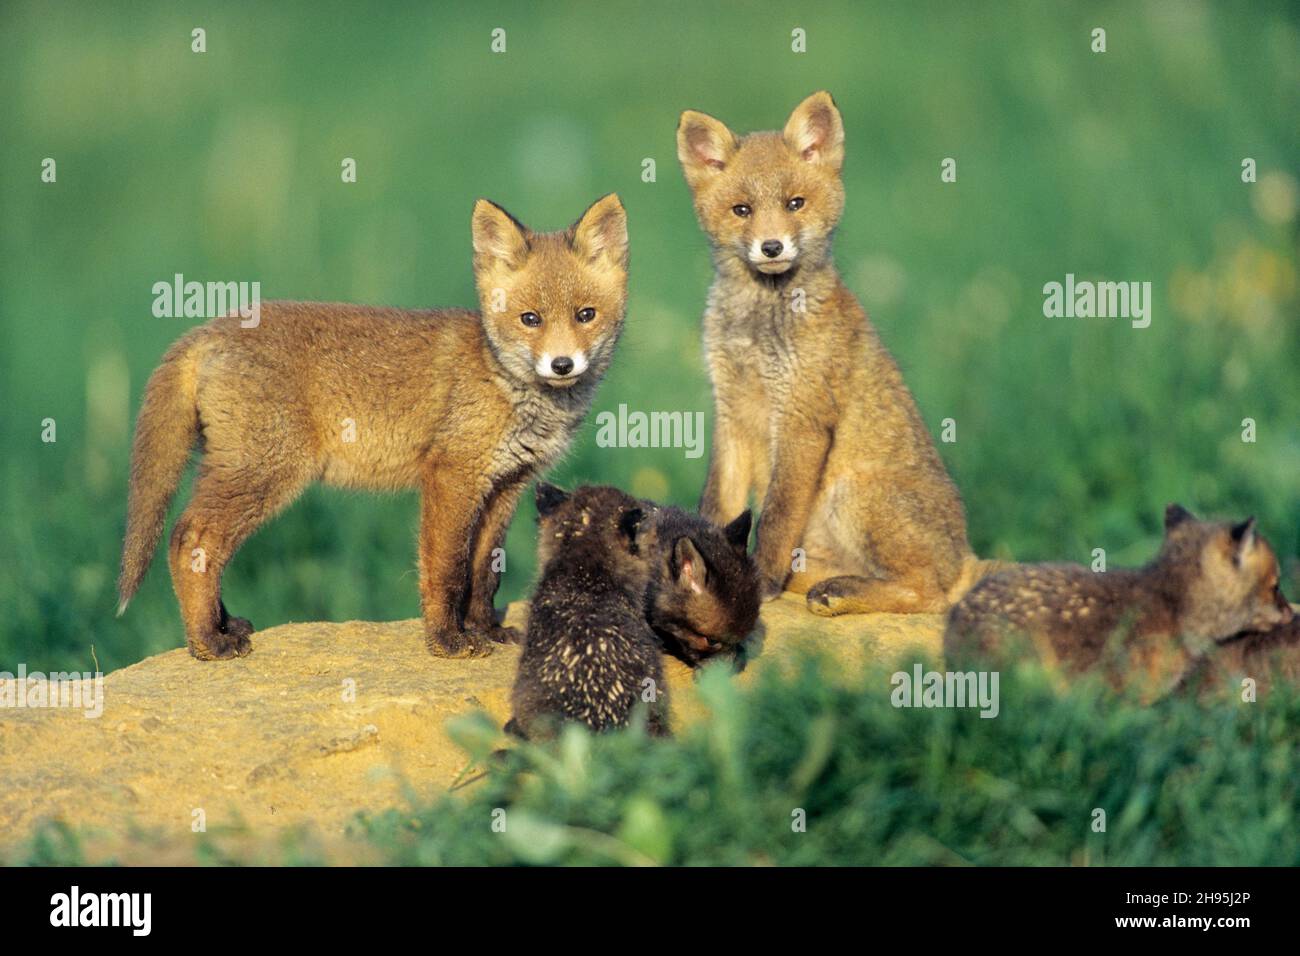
320	722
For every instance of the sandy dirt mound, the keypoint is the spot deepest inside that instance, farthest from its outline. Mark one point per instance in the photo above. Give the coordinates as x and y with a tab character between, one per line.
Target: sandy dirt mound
320	722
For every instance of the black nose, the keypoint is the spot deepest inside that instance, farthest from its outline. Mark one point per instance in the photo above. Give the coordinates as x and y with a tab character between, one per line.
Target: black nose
771	248
562	365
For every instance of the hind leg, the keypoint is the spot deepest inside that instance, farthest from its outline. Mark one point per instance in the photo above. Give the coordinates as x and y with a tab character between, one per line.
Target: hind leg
902	577
226	508
896	542
817	565
855	594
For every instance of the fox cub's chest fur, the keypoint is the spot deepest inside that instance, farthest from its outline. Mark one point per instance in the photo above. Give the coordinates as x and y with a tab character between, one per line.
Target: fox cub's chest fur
765	362
539	430
770	335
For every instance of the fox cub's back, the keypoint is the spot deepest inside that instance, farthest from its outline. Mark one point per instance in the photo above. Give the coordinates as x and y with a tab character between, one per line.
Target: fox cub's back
589	654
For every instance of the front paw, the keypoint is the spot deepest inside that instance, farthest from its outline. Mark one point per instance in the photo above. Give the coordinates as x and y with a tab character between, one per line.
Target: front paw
458	643
500	634
771	589
230	641
489	626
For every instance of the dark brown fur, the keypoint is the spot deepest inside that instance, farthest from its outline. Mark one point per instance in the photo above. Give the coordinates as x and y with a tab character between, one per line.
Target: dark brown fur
1266	657
589	655
1143	627
703	597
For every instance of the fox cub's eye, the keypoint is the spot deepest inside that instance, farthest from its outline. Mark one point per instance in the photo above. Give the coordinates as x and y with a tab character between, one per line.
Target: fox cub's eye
741	210
586	315
795	204
531	319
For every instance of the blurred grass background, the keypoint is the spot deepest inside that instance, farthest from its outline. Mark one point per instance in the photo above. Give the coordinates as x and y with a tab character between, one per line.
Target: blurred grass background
1072	434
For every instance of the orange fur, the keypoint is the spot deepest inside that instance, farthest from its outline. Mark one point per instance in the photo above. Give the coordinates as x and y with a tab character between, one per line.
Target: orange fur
453	402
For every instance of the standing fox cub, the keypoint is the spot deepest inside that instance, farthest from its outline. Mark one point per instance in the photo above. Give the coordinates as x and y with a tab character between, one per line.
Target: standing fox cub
467	406
812	414
1210	581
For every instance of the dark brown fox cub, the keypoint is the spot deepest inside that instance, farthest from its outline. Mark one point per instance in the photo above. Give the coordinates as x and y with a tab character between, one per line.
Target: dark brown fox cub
812	415
703	597
466	406
589	655
1146	626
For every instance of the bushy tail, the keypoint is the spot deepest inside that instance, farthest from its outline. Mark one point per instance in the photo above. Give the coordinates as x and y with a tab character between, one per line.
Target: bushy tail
973	571
164	434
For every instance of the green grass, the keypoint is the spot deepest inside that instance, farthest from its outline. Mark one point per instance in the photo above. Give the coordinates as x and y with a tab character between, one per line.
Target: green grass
1180	783
1071	434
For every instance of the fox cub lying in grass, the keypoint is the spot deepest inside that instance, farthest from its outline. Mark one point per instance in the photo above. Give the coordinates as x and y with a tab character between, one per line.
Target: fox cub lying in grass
1145	627
1266	657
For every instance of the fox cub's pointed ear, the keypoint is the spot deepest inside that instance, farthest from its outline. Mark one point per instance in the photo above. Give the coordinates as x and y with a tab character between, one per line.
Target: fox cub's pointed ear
1243	539
629	525
738	531
816	132
1176	514
498	236
688	566
704	146
601	232
549	498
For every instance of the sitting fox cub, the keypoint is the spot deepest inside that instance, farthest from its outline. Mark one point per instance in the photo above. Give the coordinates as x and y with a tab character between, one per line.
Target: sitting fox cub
1210	581
589	655
466	406
812	414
